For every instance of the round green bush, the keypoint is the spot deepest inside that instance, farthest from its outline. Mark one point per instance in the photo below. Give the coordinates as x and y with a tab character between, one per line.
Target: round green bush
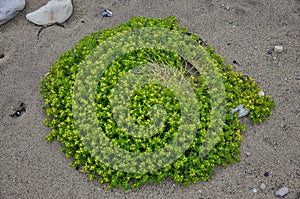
57	91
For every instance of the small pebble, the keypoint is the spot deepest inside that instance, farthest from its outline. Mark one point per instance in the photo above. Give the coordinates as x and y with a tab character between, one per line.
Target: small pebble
254	190
107	13
266	174
2	55
282	191
261	93
77	167
270	52
297	78
262	185
227	8
240	109
278	49
248	154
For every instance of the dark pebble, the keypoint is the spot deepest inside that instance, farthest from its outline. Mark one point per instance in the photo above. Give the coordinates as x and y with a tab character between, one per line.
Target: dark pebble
270	52
2	55
266	174
297	78
77	167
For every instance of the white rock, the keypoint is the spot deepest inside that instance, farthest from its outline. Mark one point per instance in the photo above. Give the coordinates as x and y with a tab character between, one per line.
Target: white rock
261	93
9	9
227	8
55	11
278	49
240	109
282	191
254	190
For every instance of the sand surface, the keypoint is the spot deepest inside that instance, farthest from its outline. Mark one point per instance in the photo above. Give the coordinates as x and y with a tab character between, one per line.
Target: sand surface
32	168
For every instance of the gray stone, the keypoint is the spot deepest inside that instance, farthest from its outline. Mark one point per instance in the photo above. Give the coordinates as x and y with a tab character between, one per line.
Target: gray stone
282	191
9	9
55	11
278	49
262	185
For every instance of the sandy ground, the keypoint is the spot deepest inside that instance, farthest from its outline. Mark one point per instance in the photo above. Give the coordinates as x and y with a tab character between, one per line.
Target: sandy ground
32	168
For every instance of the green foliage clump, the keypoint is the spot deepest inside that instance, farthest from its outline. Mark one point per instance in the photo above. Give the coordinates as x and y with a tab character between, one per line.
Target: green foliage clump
57	91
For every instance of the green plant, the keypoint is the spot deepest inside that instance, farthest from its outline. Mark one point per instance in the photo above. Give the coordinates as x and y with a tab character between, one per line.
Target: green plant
57	90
